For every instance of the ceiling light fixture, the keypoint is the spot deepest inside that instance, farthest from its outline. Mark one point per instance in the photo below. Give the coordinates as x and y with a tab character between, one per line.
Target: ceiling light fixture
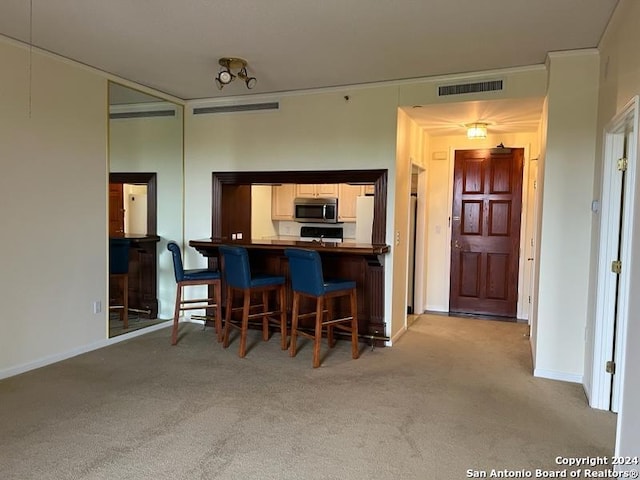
476	130
225	75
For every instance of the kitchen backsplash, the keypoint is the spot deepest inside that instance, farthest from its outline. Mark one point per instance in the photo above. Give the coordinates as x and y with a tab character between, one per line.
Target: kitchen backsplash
292	229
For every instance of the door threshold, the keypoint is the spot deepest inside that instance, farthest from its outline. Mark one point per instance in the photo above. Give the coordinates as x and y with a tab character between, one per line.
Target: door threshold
483	317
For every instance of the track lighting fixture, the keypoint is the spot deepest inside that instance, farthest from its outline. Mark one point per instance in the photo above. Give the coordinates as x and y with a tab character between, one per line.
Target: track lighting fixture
226	76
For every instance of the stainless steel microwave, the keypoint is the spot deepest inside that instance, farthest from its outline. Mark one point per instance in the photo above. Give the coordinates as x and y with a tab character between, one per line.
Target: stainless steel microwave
316	210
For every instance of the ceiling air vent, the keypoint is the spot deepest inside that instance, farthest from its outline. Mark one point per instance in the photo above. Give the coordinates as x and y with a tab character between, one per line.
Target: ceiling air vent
249	107
142	114
477	87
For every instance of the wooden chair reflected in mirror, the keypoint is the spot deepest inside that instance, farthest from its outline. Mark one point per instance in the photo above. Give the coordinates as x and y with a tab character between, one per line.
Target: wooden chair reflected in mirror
119	278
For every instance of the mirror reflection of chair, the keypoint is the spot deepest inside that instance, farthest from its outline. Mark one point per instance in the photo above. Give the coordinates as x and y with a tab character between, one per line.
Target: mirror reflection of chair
201	277
307	280
119	272
238	277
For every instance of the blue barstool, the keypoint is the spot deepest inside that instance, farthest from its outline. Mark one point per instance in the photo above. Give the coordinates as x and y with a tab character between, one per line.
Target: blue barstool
185	278
307	280
237	276
119	269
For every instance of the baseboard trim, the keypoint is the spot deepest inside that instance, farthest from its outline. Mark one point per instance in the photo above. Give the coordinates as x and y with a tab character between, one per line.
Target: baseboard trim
554	375
58	357
437	309
396	337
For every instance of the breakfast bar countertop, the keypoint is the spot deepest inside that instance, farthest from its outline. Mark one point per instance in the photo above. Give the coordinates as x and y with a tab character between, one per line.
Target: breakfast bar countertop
345	247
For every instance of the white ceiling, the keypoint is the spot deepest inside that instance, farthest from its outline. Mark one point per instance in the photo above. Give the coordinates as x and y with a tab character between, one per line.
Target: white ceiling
174	45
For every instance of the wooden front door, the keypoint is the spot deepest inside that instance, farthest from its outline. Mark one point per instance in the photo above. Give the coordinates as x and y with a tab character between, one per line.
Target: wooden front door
116	210
485	231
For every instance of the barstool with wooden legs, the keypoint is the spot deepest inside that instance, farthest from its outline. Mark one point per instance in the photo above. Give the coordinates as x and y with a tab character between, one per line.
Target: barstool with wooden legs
307	280
119	270
237	277
185	278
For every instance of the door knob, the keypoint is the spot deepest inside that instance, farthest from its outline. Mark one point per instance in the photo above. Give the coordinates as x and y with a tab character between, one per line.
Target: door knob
457	245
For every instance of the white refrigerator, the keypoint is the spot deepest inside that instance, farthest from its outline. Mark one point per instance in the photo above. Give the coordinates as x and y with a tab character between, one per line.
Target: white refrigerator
364	219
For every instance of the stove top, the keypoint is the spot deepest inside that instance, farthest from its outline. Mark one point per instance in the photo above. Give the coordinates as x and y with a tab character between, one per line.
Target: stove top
321	234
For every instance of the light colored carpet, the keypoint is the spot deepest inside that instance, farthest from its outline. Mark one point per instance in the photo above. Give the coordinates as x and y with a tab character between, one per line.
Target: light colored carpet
451	395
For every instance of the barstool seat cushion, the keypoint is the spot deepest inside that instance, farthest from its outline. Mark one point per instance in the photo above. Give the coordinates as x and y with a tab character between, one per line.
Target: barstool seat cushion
264	280
333	285
201	274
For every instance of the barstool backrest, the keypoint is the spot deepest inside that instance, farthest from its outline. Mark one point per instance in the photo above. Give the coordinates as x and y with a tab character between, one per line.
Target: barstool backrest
178	268
119	255
237	271
305	269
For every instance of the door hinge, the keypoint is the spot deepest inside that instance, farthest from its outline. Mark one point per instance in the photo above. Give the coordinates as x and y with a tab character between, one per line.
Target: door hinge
616	267
611	367
622	164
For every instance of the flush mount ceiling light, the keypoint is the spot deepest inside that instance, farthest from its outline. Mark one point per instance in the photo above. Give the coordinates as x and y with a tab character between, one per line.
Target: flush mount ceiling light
226	76
476	130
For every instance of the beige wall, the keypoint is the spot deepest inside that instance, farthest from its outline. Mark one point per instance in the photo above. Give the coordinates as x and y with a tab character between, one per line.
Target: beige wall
619	82
54	206
567	189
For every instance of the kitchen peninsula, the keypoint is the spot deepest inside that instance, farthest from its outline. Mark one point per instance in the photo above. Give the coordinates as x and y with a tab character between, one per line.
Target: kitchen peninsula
356	261
231	217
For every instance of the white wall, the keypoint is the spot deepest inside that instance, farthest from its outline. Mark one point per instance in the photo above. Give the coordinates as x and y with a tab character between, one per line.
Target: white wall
620	81
135	209
537	229
154	144
53	204
564	265
312	131
409	150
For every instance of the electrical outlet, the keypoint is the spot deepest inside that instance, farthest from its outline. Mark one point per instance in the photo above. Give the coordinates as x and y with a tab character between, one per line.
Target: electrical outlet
239	235
97	306
233	236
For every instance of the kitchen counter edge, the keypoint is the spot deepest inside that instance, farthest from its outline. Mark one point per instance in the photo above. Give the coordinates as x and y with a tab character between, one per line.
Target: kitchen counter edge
275	244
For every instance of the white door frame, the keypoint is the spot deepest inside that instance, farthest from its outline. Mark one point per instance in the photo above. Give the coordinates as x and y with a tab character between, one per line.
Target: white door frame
625	122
